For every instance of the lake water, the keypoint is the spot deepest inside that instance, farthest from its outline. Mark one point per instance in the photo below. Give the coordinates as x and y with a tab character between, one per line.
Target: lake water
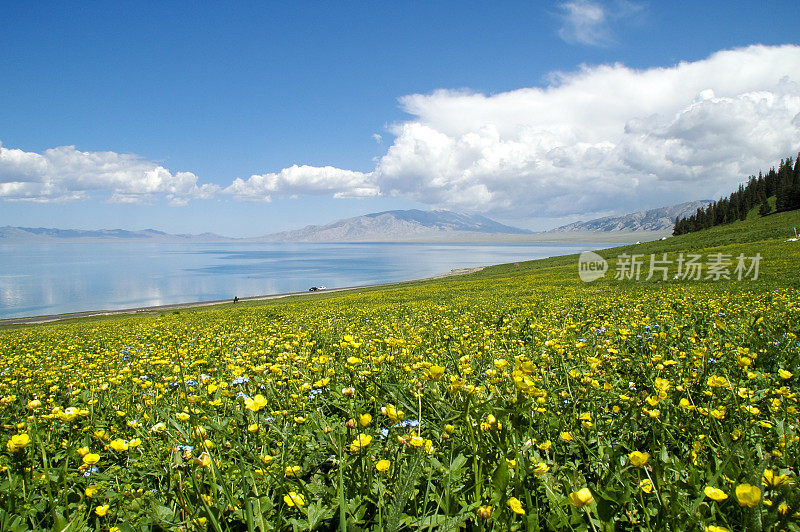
37	279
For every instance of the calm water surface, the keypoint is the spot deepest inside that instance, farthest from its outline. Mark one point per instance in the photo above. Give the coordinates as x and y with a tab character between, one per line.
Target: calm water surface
37	279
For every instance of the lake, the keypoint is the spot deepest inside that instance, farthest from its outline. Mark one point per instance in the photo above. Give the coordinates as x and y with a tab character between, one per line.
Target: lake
61	277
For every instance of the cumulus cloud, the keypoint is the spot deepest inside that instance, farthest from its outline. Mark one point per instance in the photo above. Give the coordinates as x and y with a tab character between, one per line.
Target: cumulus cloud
595	141
67	174
304	180
603	138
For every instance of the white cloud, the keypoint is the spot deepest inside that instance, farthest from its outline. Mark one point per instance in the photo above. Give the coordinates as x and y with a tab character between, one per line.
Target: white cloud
601	138
304	180
595	141
67	174
585	22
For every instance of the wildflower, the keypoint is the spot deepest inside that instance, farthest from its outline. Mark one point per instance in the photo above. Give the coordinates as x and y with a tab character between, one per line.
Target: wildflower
540	469
182	416
566	436
364	420
158	427
646	485
361	441
716	381
256	403
515	506
545	446
292	471
91	491
33	404
785	374
17	442
434	373
581	498
204	460
253	427
771	480
119	445
348	392
748	495
101	511
392	413
715	494
383	465
638	459
91	458
485	512
715	528
294	499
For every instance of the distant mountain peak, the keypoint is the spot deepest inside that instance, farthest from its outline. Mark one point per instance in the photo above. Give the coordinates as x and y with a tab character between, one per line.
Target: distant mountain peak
398	225
660	219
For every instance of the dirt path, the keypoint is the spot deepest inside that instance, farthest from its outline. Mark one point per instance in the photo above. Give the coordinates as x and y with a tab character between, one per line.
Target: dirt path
180	306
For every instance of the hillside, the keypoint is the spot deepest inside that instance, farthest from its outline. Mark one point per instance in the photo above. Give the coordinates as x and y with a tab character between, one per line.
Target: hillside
398	225
46	234
661	219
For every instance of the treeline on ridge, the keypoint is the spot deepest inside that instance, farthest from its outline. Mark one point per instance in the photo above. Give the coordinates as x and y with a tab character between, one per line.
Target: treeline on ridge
784	184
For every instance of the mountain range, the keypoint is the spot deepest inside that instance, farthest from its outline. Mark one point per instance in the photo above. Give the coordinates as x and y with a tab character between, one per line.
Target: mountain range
411	224
661	219
396	226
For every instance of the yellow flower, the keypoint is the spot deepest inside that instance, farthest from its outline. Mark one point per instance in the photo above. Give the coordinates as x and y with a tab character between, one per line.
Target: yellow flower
717	381
119	445
771	480
294	499
540	469
638	459
485	512
90	491
102	510
256	403
383	465
545	446
17	442
204	460
91	458
361	441
748	495
515	506
182	416
715	494
715	528
646	485
434	373
581	498
292	471
785	374
252	427
566	436
392	413
365	420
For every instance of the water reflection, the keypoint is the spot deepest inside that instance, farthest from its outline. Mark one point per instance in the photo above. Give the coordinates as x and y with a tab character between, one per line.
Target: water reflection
71	277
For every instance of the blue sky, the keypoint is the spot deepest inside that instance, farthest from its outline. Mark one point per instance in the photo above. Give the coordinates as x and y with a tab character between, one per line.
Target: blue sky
139	114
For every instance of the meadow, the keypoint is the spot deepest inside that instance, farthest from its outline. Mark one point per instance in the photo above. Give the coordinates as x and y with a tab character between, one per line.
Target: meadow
515	398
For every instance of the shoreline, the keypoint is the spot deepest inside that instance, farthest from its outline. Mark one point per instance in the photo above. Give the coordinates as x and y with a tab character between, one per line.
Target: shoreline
35	320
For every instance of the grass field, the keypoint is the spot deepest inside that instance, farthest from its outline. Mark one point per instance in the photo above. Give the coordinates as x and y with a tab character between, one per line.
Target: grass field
515	398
